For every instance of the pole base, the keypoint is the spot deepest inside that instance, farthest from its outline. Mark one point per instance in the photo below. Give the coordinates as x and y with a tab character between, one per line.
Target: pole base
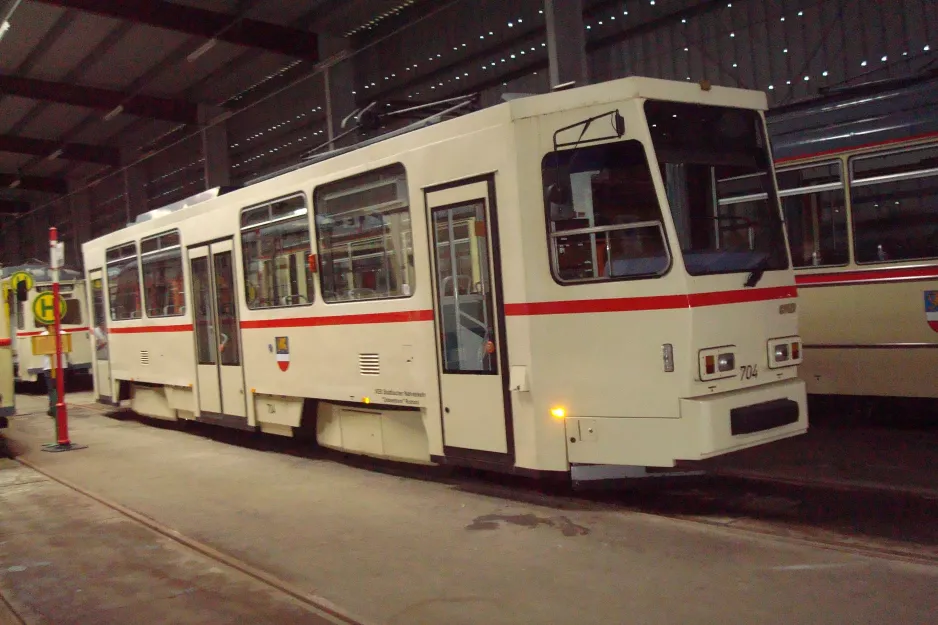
59	447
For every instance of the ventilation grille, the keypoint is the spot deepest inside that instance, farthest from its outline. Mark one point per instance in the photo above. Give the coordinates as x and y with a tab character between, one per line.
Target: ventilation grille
369	364
144	358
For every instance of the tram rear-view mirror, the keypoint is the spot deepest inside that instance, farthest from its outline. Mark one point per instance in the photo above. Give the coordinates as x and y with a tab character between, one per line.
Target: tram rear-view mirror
559	198
619	122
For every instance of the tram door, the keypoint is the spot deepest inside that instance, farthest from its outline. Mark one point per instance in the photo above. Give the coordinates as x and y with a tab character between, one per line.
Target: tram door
217	333
102	363
469	319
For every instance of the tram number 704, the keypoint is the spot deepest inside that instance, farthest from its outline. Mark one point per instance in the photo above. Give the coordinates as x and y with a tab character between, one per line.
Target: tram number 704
747	372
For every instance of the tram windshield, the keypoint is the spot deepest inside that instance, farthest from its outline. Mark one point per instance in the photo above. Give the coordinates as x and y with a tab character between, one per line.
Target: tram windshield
715	165
604	219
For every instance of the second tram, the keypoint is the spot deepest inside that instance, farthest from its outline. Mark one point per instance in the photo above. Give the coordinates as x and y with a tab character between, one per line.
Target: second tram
858	180
28	366
7	400
549	285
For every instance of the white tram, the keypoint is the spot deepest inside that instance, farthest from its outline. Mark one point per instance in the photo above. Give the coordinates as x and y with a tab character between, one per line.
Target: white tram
545	285
7	403
21	315
858	179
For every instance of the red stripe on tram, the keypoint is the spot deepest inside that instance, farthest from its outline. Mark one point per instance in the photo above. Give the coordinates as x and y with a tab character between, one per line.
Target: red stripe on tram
338	320
655	302
185	327
873	275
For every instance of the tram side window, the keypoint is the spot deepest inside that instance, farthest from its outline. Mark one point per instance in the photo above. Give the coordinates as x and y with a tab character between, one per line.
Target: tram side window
73	315
813	201
123	282
161	261
364	237
894	199
97	303
275	245
603	214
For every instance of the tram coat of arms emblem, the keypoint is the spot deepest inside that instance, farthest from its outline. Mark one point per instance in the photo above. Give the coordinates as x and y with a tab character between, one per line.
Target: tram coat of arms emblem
283	352
931	309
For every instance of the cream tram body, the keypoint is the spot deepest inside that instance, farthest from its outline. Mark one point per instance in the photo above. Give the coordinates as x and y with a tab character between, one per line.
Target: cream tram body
74	320
858	176
454	315
7	400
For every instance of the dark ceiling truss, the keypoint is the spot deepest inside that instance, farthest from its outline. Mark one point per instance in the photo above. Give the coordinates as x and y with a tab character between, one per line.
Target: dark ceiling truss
538	33
396	22
101	99
209	24
696	10
523	37
67	151
34	183
240	60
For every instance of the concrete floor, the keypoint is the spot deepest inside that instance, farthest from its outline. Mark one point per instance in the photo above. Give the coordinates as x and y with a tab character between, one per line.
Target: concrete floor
400	550
864	456
65	558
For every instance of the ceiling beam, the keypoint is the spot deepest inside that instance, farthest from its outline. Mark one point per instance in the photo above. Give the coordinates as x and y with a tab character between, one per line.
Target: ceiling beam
69	151
12	207
35	183
209	24
101	99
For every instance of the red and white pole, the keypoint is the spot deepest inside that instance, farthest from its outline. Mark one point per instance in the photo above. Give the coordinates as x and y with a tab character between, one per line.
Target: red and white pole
60	408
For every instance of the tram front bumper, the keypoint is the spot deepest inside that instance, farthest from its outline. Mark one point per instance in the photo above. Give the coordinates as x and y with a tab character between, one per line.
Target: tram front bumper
739	419
708	426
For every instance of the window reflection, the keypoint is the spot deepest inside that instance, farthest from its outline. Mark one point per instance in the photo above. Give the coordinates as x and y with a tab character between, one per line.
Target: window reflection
364	237
464	291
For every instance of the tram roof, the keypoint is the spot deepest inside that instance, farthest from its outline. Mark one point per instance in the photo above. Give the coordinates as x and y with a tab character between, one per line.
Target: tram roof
861	116
39	272
622	89
636	87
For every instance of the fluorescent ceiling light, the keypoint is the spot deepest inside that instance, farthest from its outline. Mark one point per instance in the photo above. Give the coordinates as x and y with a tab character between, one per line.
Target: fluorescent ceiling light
205	47
117	110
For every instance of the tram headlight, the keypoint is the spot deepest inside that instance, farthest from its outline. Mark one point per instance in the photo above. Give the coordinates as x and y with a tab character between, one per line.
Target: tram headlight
784	352
717	363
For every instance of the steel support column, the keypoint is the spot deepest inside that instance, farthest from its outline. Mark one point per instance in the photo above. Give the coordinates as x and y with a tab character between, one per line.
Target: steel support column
217	168
566	42
135	188
79	202
338	83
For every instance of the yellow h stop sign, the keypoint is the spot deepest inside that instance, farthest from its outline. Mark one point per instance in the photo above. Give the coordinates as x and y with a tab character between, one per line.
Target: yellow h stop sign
21	276
43	310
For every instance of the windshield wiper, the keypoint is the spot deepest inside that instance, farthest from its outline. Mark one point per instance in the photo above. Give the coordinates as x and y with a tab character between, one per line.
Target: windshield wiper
757	272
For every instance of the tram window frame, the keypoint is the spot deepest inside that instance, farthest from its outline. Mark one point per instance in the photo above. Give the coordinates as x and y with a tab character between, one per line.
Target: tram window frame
405	276
168	241
275	217
113	256
551	171
801	191
879	178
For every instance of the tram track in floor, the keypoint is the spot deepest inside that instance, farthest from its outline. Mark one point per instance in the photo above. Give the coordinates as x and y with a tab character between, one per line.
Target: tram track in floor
885	524
315	603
